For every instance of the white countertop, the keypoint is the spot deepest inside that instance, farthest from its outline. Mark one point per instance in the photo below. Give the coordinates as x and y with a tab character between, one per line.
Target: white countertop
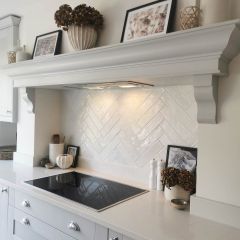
147	217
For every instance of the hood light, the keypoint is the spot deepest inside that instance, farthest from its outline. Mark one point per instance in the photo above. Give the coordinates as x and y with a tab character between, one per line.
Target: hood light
107	85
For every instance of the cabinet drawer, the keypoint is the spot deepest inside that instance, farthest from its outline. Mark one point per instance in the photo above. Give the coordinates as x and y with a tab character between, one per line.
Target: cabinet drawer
26	227
66	222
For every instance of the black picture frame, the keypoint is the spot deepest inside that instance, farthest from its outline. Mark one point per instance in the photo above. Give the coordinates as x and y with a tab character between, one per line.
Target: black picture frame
170	18
74	151
184	161
51	50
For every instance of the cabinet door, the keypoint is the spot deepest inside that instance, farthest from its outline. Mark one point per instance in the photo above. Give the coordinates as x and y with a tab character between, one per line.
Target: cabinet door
26	227
3	211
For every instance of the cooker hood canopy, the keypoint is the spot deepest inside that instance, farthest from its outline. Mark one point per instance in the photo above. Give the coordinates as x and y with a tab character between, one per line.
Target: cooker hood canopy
196	57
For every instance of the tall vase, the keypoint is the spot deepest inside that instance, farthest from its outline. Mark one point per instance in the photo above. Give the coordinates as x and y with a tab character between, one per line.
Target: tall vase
82	37
214	11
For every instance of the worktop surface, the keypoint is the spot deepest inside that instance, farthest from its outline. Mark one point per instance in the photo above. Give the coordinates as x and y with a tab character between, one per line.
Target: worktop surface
147	217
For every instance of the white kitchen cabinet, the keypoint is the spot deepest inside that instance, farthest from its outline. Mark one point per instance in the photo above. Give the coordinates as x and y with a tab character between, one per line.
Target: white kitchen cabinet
9	35
3	211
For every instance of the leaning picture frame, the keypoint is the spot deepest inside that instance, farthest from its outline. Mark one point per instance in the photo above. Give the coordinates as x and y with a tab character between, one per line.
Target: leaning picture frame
182	158
74	151
48	44
155	18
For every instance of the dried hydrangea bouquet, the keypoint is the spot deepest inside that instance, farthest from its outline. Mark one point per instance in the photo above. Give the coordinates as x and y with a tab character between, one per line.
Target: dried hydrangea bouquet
81	23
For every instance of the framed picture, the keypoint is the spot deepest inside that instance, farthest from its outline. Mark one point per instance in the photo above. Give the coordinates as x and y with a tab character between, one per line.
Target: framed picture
48	44
74	151
155	18
182	158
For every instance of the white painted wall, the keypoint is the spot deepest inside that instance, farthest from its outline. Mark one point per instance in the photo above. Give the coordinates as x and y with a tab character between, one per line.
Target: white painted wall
218	176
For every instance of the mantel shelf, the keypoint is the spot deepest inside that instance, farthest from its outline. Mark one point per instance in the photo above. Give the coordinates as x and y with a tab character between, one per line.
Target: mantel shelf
193	57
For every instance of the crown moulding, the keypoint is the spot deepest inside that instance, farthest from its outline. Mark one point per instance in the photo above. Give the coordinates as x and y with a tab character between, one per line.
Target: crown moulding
196	57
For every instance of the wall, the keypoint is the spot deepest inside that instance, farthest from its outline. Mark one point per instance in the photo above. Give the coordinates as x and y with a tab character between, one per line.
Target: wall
120	131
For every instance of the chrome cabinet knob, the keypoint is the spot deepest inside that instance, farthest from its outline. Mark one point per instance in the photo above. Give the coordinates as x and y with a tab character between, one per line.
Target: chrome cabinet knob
25	221
26	204
74	226
4	189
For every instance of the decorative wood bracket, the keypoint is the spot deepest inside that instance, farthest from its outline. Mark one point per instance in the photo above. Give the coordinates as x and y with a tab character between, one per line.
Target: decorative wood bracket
206	93
28	97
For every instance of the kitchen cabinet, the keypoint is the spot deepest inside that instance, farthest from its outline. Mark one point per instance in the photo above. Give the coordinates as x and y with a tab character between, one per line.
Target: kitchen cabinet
3	211
9	35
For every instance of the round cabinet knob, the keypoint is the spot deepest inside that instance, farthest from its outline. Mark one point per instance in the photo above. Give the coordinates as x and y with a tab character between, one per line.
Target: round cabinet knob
26	204
4	190
25	221
74	226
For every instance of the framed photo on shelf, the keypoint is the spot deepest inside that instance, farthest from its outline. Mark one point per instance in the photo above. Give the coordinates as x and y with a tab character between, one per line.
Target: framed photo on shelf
155	18
74	151
48	44
182	158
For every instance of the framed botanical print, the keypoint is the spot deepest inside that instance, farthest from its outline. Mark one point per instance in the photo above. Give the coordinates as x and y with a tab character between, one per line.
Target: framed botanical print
48	44
155	18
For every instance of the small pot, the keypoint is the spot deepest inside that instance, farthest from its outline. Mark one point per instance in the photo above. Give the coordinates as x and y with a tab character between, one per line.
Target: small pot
176	192
82	37
64	161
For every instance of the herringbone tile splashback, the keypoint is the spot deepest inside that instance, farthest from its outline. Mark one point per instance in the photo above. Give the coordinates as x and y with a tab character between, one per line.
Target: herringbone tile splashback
119	131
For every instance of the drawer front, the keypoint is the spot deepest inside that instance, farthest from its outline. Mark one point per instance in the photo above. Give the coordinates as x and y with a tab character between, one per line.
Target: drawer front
26	227
66	222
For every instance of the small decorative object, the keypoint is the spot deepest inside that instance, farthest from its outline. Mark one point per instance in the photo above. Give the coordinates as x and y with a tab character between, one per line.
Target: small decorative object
178	183
11	57
182	158
153	175
56	139
6	152
81	23
74	151
21	54
190	17
44	161
64	161
179	204
48	44
155	18
49	166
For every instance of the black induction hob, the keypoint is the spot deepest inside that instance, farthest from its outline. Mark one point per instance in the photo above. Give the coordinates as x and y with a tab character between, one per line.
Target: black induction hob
93	192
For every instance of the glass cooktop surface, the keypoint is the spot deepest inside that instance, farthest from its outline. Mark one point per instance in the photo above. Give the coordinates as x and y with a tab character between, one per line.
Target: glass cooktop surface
93	192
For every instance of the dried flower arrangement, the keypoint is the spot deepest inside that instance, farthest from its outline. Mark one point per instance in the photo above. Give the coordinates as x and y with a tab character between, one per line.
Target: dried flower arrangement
80	15
172	177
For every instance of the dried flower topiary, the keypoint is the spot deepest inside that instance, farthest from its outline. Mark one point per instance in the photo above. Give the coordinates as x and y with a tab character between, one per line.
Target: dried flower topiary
172	177
80	15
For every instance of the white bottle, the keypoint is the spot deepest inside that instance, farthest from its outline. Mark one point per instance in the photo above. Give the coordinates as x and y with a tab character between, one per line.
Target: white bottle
160	167
152	175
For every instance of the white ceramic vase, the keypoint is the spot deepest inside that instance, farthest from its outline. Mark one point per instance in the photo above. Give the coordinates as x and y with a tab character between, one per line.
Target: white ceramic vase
82	37
54	151
64	161
176	192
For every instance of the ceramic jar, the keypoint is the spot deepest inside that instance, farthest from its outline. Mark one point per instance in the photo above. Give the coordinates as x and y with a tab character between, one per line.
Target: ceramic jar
82	37
176	192
64	161
54	151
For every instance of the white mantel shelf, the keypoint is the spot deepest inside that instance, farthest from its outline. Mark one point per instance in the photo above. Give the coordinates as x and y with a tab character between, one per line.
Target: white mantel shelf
193	57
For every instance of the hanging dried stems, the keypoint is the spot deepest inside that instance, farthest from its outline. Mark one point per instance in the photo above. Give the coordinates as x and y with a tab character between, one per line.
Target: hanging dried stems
80	15
172	177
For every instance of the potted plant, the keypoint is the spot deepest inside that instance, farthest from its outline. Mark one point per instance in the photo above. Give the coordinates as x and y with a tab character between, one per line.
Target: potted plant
179	184
81	23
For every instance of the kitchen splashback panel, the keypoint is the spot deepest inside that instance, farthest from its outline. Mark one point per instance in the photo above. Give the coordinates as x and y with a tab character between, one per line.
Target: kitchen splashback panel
120	131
